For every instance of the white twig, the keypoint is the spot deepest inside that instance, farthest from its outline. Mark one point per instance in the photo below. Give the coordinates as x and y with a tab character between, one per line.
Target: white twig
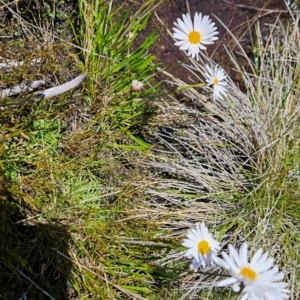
8	66
22	87
61	88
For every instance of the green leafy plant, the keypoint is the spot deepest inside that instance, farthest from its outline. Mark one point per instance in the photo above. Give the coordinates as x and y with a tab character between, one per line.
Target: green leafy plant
114	55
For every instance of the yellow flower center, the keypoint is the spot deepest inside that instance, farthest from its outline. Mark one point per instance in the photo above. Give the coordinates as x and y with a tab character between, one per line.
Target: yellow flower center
216	81
203	247
194	37
248	273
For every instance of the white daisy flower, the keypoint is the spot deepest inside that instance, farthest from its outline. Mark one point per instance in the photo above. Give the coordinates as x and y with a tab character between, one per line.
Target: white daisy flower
193	37
259	279
202	247
216	76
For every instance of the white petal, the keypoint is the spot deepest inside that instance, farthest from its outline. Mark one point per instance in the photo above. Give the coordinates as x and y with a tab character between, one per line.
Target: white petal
180	43
228	281
264	266
229	261
185	46
245	297
220	262
244	253
234	255
182	26
197	20
195	265
180	36
188	22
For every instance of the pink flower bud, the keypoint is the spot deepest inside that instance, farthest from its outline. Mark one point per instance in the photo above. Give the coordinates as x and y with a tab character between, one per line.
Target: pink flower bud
136	85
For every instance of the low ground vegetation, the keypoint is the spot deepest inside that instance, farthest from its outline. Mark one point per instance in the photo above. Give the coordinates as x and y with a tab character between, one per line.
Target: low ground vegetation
99	186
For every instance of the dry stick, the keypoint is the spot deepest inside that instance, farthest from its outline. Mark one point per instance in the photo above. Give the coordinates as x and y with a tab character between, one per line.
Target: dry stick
32	282
28	219
57	90
26	87
270	11
52	92
7	67
22	87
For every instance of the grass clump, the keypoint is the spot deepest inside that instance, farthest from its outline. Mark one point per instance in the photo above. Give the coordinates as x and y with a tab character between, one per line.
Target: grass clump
68	187
114	58
234	162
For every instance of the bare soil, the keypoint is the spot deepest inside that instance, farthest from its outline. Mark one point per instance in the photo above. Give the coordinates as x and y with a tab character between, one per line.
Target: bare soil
237	15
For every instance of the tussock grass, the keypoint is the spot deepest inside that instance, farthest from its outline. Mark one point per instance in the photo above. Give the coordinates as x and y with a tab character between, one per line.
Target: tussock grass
114	57
235	162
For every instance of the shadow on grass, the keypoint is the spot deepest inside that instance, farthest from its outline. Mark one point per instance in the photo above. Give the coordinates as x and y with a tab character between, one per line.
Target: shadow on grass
34	260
